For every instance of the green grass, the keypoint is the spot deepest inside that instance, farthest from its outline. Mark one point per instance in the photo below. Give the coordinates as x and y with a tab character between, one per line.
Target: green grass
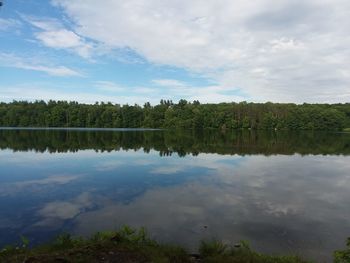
346	129
131	245
124	245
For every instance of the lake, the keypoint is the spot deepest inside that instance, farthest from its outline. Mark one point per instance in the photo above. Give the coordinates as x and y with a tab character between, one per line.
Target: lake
284	192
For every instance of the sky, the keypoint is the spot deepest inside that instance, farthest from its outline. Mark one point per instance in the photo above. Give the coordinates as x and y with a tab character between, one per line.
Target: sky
145	50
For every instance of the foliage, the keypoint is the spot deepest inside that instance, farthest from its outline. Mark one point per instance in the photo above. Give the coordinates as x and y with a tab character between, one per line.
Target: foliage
125	245
184	114
25	241
342	256
132	245
214	247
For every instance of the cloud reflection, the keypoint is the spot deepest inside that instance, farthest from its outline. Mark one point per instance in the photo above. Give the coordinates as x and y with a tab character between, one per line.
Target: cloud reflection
281	204
64	210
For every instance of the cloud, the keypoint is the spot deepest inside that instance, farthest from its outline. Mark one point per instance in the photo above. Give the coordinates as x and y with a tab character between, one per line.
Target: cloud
110	91
46	91
54	35
59	71
288	51
14	61
109	86
6	24
169	82
176	90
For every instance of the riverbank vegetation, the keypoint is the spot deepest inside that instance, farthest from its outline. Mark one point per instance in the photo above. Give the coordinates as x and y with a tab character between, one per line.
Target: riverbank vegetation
130	245
183	114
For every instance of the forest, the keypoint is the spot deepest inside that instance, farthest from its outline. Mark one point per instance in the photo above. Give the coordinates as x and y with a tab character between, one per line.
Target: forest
184	114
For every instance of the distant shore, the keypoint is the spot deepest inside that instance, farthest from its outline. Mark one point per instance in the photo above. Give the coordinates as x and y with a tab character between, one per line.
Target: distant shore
183	114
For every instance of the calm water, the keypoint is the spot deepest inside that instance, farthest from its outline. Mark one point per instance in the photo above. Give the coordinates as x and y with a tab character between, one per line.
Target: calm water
284	192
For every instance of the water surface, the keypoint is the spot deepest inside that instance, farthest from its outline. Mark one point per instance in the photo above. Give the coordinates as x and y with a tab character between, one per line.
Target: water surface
284	192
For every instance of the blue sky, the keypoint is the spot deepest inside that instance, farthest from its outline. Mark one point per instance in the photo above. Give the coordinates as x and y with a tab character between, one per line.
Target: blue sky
136	51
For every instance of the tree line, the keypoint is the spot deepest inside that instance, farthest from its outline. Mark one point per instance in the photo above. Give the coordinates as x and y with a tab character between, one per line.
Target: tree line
184	114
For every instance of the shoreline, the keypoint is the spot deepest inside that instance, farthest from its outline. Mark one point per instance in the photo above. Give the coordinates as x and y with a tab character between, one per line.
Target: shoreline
134	245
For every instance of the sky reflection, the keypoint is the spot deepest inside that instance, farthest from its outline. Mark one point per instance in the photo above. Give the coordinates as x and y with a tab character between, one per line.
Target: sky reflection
280	203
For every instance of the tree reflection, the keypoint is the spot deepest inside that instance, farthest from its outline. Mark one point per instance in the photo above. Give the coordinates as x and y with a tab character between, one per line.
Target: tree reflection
180	142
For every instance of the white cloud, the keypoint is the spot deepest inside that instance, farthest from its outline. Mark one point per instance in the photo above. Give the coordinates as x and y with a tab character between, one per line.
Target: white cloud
55	35
284	44
10	60
45	91
169	83
59	71
6	24
108	86
302	47
176	89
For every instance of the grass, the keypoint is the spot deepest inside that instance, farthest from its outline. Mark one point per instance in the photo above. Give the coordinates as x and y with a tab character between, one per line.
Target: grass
346	129
131	245
124	245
